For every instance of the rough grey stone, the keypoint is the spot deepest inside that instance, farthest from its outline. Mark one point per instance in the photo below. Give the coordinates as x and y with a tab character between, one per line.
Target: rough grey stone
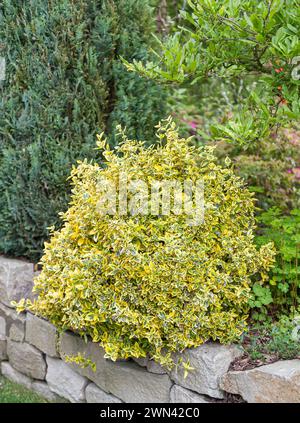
96	395
16	333
10	322
2	329
3	350
154	367
131	383
210	362
181	395
41	334
13	375
43	390
11	317
273	383
141	361
64	381
16	280
151	365
71	345
26	359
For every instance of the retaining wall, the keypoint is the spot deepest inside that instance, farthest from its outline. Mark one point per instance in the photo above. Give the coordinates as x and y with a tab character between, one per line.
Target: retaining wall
32	353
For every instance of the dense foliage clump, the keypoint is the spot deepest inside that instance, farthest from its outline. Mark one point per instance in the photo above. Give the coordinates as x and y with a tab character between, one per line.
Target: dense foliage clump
152	284
64	83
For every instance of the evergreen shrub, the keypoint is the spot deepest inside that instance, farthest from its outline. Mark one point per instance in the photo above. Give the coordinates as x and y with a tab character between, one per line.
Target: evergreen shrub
143	284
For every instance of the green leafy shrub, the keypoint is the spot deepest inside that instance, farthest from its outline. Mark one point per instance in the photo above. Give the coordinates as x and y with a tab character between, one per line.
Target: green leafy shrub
152	284
64	83
282	290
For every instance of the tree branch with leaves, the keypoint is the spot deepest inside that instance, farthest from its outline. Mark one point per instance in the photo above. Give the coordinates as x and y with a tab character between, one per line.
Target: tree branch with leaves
251	40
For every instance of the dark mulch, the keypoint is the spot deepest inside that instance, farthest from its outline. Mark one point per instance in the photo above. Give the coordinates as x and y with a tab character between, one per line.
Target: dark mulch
247	363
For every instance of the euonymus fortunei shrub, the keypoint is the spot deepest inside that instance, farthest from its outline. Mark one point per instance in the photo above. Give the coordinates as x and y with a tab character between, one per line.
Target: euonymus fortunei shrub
152	284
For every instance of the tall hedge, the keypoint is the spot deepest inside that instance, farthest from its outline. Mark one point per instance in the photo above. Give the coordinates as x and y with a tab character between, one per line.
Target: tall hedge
64	83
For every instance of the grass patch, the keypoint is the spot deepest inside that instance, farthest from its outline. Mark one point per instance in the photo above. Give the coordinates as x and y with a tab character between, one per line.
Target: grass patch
13	393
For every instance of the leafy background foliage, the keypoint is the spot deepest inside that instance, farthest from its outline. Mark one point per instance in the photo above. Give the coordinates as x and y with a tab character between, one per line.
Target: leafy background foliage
64	83
270	168
232	39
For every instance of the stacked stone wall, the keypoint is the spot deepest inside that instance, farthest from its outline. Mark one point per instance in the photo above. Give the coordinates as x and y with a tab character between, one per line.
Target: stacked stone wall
33	353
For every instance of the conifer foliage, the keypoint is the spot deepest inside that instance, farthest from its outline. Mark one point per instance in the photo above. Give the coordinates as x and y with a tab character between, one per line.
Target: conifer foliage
64	82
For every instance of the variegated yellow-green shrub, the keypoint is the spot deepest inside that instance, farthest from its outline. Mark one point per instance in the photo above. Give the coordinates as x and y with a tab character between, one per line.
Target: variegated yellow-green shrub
149	285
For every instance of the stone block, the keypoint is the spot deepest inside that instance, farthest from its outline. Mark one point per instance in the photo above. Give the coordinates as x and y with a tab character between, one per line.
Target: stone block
11	317
16	280
210	362
71	345
273	383
64	381
42	389
156	368
41	334
96	395
150	365
143	361
131	383
181	395
17	333
26	359
14	376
